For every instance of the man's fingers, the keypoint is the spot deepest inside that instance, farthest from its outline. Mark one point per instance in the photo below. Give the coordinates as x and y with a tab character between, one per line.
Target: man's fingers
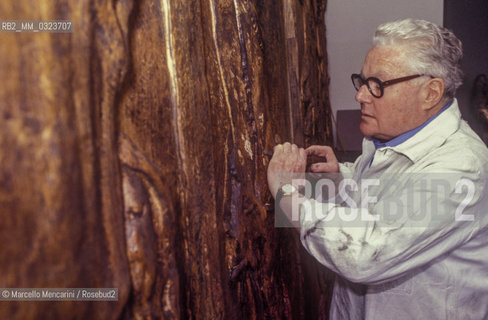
324	167
322	151
294	148
277	148
286	147
315	150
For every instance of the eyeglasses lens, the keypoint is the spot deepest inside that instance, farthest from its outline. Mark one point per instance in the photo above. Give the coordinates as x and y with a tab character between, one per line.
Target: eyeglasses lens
357	81
375	87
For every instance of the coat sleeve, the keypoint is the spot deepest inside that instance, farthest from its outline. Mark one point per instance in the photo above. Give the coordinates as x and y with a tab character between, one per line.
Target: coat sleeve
413	221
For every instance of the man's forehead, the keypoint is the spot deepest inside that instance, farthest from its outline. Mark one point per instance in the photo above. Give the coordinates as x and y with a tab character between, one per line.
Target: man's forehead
384	61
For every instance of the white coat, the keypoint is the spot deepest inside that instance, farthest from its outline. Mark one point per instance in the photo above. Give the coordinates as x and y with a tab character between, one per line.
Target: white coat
426	257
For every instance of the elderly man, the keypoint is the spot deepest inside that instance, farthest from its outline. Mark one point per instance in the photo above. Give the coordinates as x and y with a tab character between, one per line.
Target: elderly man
416	245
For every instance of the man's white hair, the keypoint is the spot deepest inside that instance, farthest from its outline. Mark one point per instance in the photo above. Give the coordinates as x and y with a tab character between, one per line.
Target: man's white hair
434	50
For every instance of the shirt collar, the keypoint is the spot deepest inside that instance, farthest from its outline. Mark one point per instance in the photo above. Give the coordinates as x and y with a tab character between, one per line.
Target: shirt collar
407	135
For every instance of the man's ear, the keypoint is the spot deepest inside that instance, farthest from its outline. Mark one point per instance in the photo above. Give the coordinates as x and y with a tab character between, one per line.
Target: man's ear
432	93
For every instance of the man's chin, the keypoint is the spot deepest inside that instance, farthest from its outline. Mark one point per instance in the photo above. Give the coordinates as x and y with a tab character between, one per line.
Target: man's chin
365	131
373	134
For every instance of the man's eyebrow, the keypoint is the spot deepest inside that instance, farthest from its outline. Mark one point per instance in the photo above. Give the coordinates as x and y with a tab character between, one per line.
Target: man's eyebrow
380	75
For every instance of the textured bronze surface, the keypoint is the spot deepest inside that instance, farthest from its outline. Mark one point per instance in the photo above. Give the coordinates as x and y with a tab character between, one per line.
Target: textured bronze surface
132	156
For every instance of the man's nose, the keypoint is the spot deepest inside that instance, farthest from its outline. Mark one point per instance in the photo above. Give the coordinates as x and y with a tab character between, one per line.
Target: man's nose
363	94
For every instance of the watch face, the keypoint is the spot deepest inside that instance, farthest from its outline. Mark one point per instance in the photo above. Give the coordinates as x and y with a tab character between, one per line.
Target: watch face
288	188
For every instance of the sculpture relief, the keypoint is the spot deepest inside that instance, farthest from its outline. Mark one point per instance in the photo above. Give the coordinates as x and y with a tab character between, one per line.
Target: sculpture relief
133	156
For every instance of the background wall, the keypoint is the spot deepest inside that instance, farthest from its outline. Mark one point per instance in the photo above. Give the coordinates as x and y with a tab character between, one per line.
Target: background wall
350	28
469	21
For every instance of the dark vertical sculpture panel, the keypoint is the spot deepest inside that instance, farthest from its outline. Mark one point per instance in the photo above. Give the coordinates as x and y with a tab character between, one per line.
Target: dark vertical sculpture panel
136	147
60	186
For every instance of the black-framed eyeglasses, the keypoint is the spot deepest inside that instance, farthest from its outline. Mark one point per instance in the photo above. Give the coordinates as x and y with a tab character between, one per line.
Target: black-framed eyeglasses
375	85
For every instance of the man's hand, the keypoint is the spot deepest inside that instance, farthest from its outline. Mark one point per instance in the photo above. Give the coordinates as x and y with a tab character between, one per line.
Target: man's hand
287	158
332	165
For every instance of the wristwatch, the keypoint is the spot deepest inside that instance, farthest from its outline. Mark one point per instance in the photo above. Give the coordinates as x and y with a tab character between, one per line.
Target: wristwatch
285	190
